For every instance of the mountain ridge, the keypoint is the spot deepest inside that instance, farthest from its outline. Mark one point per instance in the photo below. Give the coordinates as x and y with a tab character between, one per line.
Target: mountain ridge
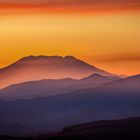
50	87
33	68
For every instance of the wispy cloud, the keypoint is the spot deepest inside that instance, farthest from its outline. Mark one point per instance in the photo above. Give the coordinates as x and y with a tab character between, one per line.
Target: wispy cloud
119	58
74	2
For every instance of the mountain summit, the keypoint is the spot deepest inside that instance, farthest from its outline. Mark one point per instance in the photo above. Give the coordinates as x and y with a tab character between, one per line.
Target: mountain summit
34	68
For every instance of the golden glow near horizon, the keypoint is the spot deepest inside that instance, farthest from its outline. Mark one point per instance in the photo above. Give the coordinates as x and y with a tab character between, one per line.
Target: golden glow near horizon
108	41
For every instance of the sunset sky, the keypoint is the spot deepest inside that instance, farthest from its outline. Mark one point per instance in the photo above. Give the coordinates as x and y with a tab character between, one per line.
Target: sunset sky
104	33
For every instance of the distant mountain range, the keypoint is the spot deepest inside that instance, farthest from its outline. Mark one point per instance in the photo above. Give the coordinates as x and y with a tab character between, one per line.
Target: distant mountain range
34	68
44	94
51	87
115	99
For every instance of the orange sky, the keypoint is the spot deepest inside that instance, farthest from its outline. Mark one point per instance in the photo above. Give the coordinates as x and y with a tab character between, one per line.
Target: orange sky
106	37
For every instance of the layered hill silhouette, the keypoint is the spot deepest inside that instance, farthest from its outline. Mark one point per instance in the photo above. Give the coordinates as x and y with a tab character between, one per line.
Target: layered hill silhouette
116	99
111	129
33	68
51	87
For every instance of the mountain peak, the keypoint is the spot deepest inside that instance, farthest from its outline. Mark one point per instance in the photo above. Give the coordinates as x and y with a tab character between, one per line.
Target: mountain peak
32	57
70	57
95	76
43	57
71	60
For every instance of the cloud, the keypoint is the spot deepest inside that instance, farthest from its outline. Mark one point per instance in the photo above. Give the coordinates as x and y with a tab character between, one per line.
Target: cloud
119	58
72	2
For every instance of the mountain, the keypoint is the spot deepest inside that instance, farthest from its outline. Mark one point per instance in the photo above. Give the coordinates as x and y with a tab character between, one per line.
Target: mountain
49	114
127	85
44	88
92	81
33	68
99	78
111	129
128	128
34	89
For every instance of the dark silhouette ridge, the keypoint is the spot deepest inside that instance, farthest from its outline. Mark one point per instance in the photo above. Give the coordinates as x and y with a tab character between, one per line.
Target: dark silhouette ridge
109	129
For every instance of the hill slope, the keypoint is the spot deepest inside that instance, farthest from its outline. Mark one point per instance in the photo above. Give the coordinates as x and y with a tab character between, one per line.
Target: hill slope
111	129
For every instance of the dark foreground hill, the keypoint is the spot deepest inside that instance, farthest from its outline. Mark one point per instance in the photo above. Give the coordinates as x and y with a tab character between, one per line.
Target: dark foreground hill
111	129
